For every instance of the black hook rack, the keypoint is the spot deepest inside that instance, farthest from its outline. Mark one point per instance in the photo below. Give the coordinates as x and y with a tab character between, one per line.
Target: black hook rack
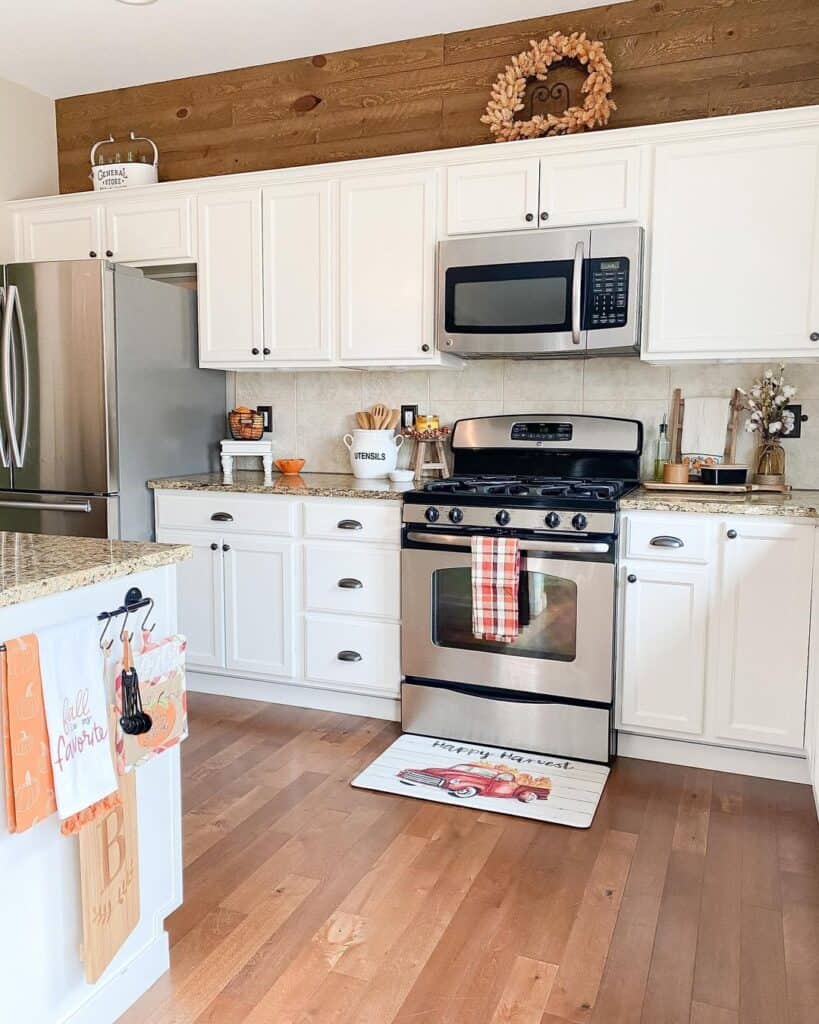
134	600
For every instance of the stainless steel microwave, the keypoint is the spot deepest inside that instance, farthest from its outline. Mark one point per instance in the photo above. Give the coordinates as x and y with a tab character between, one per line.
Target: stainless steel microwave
542	293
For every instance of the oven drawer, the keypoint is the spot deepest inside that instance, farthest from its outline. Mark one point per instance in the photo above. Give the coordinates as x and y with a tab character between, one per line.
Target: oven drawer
564	730
373	520
674	538
352	579
362	657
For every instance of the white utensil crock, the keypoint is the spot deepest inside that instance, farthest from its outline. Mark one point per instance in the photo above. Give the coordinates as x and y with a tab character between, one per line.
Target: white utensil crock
373	453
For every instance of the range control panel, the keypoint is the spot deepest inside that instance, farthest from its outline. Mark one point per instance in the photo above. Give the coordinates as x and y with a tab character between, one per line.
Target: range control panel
606	293
541	431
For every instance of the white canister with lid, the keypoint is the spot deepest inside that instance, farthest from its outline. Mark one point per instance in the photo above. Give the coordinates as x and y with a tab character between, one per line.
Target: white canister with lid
373	453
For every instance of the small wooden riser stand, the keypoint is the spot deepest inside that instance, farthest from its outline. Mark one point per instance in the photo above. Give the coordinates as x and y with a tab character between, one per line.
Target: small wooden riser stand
421	466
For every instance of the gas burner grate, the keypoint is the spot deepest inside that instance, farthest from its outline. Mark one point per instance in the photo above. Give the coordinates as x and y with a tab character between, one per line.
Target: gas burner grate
542	487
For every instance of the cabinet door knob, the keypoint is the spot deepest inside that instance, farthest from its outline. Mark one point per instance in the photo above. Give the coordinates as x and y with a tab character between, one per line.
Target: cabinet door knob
349	583
92	254
226	547
109	252
349	656
530	216
425	348
814	335
349	524
631	578
731	534
265	351
254	351
544	215
214	546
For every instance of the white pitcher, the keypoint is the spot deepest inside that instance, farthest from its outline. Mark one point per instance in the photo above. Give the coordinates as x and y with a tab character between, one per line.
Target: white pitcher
373	453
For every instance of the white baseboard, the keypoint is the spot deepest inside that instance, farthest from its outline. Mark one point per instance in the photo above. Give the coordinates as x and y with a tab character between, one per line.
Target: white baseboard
300	695
721	759
109	999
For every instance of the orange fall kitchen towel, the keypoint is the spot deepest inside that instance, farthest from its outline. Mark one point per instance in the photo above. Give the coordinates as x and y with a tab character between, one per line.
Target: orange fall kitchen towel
26	756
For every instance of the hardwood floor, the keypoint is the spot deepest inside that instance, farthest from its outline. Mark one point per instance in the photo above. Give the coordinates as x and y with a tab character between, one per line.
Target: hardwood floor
692	899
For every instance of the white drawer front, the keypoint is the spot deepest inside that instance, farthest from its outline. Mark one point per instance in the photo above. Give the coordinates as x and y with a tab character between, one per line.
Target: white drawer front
357	521
376	669
669	538
226	513
354	580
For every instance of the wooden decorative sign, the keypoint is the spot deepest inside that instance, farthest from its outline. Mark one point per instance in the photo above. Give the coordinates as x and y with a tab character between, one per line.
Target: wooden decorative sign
109	878
508	96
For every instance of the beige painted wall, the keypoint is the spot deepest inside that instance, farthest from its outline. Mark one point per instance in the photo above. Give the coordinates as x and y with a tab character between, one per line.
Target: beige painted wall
311	411
28	150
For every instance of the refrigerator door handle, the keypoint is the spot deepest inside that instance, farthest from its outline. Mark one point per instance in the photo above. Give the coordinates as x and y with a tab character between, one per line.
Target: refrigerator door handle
21	324
5	327
6	358
83	505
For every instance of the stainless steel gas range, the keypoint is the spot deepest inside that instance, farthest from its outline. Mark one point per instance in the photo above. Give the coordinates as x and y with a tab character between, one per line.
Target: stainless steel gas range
553	482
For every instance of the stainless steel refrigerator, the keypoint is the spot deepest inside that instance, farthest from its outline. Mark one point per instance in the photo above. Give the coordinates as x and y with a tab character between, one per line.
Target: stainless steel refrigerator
99	391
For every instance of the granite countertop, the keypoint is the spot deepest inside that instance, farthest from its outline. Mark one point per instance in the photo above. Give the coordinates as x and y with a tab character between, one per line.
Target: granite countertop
323	485
35	565
803	504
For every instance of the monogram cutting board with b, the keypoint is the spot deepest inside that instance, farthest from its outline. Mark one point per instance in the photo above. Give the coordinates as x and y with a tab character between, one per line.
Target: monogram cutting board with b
109	878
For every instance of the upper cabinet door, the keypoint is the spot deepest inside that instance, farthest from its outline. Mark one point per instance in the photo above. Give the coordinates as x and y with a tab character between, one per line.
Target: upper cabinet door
501	195
387	266
300	293
734	270
231	328
149	229
64	231
590	187
763	632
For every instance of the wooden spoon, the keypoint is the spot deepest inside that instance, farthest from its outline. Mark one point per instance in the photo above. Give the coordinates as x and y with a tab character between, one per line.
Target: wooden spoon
363	420
380	414
392	422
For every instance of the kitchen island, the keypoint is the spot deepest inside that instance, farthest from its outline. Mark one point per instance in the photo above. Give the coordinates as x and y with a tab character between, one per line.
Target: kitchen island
45	581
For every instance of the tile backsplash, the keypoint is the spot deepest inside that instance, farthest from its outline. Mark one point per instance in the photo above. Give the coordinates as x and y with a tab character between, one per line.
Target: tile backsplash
313	410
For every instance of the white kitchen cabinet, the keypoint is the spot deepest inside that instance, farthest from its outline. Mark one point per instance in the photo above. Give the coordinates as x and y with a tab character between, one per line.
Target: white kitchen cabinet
259	613
734	267
590	188
59	231
300	240
765	583
201	596
138	229
387	268
231	317
664	607
500	195
354	655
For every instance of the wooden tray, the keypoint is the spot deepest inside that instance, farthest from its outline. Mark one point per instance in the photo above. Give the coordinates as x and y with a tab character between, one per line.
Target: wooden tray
651	485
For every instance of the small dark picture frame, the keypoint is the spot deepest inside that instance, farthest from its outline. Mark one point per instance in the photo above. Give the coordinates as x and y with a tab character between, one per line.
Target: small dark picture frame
409	414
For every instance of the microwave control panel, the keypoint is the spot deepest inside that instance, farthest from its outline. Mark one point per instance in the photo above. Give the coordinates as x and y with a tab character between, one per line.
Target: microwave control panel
607	293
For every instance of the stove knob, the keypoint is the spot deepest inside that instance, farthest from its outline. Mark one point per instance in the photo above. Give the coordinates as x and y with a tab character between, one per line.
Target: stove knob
432	515
553	520
456	515
502	518
580	522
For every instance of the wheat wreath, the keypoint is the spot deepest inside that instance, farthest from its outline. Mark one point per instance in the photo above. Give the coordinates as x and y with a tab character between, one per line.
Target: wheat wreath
510	88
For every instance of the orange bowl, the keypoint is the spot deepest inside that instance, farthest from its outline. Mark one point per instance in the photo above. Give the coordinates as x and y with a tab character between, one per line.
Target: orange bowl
289	467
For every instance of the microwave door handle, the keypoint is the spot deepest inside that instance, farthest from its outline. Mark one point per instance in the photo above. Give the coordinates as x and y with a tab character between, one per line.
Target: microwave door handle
577	285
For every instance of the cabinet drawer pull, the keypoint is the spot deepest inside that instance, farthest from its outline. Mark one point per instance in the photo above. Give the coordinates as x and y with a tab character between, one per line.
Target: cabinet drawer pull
349	656
349	524
221	517
666	542
348	583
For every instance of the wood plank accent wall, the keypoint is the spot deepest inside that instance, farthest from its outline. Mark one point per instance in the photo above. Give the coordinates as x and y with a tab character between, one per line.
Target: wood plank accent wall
673	60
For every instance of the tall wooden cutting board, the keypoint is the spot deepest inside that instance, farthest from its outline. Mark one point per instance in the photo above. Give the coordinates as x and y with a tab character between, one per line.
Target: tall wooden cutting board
109	879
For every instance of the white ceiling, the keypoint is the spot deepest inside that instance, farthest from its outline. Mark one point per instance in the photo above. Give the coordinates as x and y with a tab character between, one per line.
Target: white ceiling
63	48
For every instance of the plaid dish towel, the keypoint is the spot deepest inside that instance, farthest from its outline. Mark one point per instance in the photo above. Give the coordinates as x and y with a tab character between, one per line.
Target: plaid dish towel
495	575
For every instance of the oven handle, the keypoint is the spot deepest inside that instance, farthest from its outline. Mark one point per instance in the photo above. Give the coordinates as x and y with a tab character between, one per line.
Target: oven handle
451	540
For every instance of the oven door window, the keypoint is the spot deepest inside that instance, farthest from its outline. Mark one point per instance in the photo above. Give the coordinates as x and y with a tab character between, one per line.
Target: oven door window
509	298
547	612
